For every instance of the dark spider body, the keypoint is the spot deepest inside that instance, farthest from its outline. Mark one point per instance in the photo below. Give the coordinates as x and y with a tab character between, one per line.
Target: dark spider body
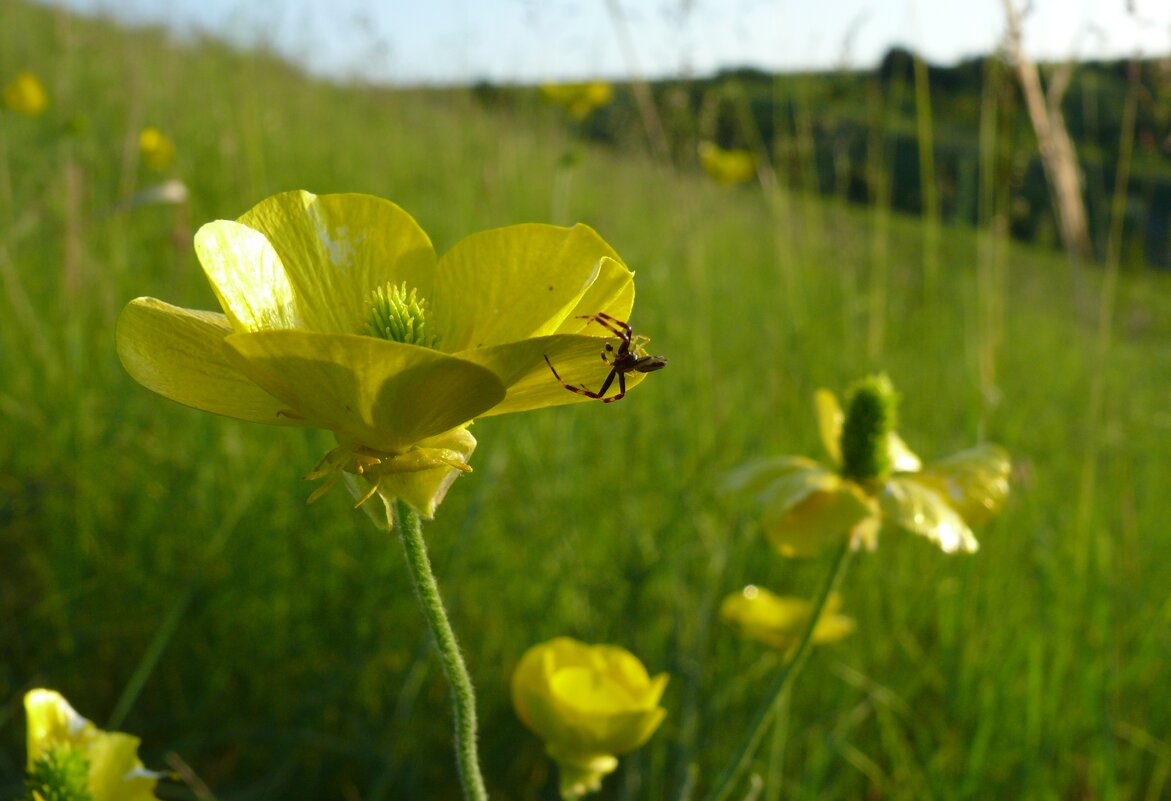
621	361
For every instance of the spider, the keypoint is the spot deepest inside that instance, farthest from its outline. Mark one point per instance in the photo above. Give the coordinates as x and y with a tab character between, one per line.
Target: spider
621	362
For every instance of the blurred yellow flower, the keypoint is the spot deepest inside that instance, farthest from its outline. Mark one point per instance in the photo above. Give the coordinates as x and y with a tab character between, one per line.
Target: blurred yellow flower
589	703
156	148
780	621
727	166
579	99
115	773
338	314
875	477
25	94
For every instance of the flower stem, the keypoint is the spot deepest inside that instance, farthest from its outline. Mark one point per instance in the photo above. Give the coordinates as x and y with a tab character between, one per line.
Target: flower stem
463	700
739	764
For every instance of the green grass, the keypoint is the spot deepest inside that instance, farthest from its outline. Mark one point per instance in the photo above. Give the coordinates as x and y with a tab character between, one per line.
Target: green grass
292	661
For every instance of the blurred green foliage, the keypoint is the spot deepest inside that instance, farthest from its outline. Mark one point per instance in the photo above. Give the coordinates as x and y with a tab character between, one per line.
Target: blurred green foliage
161	563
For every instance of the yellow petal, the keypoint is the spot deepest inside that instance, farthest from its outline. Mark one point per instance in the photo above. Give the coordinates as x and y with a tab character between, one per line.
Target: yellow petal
902	458
974	481
757	475
384	395
179	354
53	723
920	509
530	382
830	419
612	293
806	509
115	771
336	249
513	283
247	277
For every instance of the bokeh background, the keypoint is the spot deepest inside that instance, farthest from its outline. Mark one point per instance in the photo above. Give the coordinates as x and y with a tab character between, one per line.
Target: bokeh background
161	568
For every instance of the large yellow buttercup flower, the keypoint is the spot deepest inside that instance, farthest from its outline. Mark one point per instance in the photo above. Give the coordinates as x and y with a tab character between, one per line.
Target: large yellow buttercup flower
874	478
56	732
589	703
338	314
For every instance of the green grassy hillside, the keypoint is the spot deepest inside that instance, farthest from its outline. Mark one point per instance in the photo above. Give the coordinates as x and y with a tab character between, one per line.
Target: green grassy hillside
159	565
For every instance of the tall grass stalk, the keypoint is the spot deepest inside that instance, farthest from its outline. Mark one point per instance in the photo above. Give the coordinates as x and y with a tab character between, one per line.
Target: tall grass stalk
925	130
774	699
880	183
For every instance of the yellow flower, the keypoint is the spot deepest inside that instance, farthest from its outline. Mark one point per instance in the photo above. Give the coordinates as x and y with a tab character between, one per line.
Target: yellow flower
875	477
25	94
115	772
589	703
727	166
579	99
780	621
310	287
156	148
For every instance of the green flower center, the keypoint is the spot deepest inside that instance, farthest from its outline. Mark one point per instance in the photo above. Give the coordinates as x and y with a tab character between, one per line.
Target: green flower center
60	774
871	416
398	315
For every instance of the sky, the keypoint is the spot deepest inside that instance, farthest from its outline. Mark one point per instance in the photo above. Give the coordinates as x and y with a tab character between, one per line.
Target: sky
529	41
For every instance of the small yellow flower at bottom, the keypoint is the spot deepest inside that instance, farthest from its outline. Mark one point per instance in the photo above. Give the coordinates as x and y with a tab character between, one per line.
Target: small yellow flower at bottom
25	94
589	703
115	773
780	621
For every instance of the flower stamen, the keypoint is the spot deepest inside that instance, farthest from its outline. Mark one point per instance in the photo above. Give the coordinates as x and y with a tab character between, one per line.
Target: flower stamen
398	316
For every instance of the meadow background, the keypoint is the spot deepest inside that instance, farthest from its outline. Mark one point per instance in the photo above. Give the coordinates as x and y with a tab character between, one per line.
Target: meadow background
160	568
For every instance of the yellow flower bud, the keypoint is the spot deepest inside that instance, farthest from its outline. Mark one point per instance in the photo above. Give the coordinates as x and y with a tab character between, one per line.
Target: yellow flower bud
727	167
589	703
157	149
115	771
25	94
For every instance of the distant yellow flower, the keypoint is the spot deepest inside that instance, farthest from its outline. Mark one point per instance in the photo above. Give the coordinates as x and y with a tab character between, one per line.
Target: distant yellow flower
589	703
875	477
578	98
727	166
25	94
779	621
156	148
338	314
115	773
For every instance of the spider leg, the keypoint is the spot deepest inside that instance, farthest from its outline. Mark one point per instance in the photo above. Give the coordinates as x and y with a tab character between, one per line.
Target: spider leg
606	384
620	329
621	388
580	390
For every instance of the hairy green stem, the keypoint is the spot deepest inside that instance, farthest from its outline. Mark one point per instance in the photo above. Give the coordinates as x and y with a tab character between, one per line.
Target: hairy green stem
739	764
463	699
